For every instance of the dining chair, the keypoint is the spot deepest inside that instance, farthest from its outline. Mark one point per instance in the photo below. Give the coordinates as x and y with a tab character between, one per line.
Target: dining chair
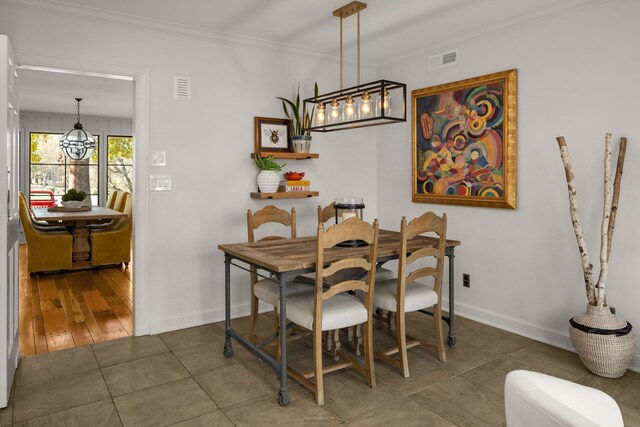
266	289
111	201
327	214
46	250
404	294
331	309
120	202
113	245
39	225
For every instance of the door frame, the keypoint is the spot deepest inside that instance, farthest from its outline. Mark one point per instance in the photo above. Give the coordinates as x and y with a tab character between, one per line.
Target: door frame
140	126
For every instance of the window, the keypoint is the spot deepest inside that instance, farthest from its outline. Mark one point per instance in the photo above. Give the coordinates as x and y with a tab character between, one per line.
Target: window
119	163
50	170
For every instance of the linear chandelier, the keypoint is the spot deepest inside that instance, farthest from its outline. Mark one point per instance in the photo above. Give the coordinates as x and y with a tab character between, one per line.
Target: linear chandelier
371	104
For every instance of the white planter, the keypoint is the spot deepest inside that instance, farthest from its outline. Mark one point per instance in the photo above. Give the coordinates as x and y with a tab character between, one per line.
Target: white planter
268	181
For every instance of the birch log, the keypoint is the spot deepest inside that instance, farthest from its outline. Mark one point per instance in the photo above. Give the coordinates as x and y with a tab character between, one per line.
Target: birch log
622	151
604	228
587	267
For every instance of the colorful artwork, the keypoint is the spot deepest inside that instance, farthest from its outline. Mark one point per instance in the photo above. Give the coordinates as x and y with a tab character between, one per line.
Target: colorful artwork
464	142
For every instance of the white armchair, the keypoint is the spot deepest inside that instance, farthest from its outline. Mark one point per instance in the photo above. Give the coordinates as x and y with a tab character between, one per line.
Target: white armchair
534	399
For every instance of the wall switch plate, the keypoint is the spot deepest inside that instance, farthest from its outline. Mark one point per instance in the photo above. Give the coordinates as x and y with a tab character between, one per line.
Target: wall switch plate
159	158
160	182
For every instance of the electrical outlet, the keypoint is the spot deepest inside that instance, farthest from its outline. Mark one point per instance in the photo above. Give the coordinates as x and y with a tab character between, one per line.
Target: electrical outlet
466	280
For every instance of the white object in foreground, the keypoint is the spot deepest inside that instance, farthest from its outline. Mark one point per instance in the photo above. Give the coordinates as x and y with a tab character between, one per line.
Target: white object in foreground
534	399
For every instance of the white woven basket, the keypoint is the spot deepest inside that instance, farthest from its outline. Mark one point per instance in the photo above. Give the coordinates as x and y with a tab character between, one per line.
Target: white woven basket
605	355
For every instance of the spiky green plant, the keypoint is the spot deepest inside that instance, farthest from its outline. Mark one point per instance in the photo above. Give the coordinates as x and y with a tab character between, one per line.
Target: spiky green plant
292	111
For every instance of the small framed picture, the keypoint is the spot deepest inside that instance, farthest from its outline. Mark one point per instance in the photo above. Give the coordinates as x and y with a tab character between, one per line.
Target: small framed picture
272	134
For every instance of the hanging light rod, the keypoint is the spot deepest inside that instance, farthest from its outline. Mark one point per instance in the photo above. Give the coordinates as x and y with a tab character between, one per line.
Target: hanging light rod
356	106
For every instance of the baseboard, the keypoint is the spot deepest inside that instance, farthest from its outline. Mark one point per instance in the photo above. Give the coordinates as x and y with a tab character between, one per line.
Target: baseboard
548	336
202	318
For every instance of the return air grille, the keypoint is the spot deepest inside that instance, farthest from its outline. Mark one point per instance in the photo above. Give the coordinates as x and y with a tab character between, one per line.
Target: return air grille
182	88
443	59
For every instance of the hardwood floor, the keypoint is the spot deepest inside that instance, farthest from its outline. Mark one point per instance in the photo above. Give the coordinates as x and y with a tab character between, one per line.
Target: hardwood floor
66	310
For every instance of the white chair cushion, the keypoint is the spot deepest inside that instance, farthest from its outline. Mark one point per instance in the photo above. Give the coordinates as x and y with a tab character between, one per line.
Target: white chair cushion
352	273
417	296
534	399
340	311
268	290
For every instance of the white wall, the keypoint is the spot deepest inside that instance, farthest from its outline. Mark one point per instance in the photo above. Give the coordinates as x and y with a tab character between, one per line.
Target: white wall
208	141
577	77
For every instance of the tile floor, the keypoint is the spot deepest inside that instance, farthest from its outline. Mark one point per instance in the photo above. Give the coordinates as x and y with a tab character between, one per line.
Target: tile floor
181	378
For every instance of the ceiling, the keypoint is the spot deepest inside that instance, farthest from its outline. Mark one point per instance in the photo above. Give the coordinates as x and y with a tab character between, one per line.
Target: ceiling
388	27
50	92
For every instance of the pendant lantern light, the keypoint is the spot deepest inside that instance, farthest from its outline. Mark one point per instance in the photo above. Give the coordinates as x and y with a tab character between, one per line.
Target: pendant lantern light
78	144
362	105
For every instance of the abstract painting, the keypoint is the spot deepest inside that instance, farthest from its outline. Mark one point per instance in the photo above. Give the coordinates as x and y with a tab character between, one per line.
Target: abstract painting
464	142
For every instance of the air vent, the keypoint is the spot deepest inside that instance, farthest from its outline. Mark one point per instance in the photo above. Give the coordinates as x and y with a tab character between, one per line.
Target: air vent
182	88
443	59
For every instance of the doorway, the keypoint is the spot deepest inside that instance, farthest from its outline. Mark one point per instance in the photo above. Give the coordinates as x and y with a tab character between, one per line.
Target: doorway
71	308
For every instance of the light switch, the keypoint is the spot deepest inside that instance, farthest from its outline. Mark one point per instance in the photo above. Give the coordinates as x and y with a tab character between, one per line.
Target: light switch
160	182
159	158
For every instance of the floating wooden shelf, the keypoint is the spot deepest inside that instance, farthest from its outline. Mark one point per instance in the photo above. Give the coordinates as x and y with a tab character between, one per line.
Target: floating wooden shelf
283	195
286	155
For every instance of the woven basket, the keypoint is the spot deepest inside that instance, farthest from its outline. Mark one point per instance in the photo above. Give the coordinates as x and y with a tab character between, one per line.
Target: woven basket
604	342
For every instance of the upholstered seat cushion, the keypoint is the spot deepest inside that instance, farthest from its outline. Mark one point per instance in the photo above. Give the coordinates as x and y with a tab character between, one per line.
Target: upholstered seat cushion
268	290
417	296
353	273
340	311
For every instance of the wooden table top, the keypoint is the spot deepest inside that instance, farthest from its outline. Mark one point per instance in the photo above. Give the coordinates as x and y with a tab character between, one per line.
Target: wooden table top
284	255
96	213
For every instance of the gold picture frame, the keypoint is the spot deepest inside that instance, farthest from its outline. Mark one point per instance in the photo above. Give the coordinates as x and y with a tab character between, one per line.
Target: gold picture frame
464	142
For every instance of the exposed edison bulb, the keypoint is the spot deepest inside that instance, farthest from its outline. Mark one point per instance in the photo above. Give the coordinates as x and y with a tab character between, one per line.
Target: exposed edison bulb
320	116
334	113
349	111
384	104
365	105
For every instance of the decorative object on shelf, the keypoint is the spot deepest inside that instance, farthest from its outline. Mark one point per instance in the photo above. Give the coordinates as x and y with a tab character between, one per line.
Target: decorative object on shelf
78	144
604	341
272	135
362	105
74	198
294	176
464	142
301	139
268	178
345	208
291	186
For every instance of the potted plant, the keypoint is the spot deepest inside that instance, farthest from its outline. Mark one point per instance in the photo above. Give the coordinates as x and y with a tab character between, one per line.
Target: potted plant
268	178
73	198
604	341
301	139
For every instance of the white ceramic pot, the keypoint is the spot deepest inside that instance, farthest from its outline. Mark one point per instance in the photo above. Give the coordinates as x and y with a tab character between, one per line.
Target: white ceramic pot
301	143
72	204
268	181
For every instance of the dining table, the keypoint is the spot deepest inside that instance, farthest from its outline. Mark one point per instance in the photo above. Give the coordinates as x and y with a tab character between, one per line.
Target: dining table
77	222
286	259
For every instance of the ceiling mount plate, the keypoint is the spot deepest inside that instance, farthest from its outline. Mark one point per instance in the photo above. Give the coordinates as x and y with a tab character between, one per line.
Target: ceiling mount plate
349	9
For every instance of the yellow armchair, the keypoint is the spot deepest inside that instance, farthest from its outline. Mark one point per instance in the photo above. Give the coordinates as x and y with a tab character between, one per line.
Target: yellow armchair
111	201
120	202
113	246
46	250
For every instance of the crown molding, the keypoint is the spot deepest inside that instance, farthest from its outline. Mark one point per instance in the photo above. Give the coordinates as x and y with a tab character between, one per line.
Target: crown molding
90	14
470	35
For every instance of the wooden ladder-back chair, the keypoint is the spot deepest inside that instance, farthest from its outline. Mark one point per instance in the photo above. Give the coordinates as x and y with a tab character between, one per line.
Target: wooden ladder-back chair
405	294
333	308
328	214
268	290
